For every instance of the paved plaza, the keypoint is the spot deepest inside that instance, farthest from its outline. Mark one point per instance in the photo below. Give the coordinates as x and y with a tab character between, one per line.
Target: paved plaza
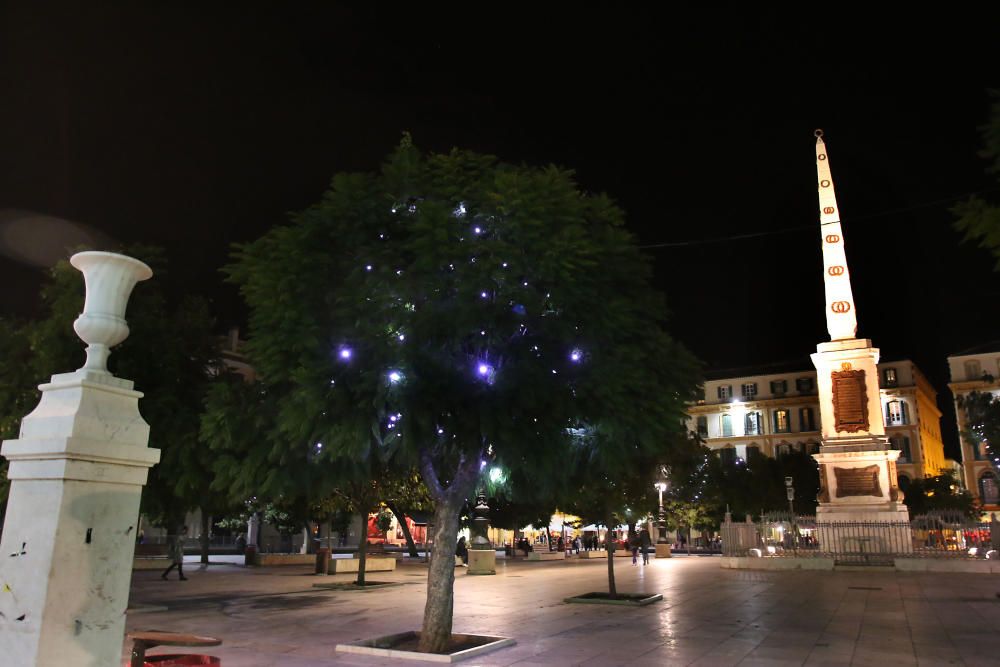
709	616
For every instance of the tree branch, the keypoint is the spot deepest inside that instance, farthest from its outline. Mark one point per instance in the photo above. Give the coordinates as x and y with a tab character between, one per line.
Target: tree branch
430	476
465	475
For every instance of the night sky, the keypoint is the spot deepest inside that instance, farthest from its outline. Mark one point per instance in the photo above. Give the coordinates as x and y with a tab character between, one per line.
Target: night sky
194	127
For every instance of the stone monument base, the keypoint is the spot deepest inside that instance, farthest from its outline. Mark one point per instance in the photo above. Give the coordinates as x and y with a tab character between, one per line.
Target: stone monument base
663	551
864	530
482	561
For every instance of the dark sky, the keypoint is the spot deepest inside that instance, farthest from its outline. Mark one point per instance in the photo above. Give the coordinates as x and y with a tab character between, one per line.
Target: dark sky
195	126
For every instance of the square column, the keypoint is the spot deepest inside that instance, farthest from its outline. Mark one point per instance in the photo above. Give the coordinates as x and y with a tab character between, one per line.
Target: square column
76	472
857	469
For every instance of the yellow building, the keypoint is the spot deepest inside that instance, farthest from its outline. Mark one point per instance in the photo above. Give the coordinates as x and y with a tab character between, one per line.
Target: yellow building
774	410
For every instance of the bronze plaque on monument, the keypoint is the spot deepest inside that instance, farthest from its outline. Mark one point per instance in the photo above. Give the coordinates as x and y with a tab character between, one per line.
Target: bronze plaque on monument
857	481
850	401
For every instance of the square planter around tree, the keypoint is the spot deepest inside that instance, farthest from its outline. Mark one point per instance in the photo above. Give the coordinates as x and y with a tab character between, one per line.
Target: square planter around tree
622	599
404	646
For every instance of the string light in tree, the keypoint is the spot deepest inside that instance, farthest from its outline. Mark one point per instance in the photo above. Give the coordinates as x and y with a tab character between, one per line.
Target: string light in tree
395	376
576	355
345	353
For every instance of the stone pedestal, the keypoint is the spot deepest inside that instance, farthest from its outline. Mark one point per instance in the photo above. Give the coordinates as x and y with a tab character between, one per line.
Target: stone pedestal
482	561
663	551
76	471
861	508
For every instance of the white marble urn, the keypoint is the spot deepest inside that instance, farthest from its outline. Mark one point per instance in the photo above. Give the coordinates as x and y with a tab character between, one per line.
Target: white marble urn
109	279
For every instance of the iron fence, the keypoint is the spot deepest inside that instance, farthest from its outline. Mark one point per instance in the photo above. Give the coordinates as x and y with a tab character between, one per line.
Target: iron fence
867	542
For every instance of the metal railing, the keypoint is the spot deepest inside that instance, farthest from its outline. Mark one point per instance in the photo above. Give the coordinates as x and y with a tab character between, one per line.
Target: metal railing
865	542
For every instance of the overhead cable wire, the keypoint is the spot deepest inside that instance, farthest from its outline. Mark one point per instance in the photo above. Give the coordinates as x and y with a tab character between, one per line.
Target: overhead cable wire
788	230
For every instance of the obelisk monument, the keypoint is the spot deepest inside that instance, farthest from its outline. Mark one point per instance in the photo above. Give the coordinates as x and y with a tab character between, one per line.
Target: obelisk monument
857	468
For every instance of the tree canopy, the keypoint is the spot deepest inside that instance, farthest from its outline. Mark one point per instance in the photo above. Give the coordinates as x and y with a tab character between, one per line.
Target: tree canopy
978	218
452	310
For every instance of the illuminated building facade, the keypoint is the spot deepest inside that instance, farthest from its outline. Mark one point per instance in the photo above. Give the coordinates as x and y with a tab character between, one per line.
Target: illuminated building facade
977	369
775	410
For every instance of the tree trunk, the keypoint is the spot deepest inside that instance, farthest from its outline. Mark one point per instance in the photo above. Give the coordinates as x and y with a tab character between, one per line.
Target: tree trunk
609	545
362	549
205	525
439	608
435	634
401	520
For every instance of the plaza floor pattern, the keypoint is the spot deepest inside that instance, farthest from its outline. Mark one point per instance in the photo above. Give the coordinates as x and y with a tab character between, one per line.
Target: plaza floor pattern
709	616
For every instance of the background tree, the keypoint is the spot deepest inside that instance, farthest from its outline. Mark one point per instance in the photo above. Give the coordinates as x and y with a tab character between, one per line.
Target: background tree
687	516
616	490
754	485
169	354
977	218
982	419
940	493
260	455
453	308
403	494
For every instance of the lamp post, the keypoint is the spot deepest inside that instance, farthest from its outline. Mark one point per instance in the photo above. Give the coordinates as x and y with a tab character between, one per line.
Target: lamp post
661	522
790	492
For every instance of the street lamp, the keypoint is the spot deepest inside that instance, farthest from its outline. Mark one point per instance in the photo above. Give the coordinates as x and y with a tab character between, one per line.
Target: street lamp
662	485
790	492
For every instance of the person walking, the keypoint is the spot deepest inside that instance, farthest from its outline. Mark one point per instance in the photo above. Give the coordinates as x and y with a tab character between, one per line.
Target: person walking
175	550
644	543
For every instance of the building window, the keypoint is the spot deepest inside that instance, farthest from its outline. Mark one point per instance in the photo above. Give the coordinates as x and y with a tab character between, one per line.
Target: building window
988	491
807	421
979	450
782	422
702	426
973	371
903	482
889	377
752	452
896	413
804	385
779	387
902	443
725	392
812	447
749	390
728	455
727	426
753	425
782	450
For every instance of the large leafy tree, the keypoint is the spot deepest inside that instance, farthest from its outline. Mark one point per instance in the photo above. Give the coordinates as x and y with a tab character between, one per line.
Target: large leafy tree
451	309
169	354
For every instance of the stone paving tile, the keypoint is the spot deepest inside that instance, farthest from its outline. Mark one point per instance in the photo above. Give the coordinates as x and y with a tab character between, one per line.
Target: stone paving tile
273	617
